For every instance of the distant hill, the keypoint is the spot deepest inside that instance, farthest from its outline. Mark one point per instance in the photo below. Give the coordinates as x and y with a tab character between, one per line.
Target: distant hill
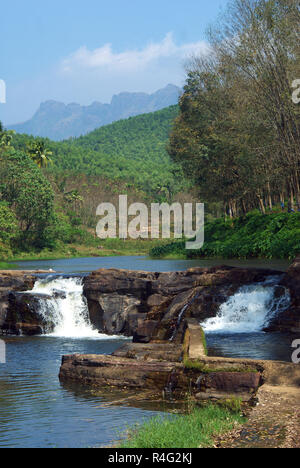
59	121
132	151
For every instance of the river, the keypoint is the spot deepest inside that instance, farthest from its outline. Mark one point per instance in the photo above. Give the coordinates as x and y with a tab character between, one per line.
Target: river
37	411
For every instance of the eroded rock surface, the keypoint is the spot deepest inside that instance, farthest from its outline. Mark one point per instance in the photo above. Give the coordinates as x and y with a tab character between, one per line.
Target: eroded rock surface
147	305
289	320
15	321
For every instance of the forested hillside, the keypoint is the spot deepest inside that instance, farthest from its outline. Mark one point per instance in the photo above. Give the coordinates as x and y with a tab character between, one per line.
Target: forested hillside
132	151
49	191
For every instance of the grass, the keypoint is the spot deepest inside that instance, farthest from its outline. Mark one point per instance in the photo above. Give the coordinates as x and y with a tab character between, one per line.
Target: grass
193	430
105	248
202	367
6	266
275	235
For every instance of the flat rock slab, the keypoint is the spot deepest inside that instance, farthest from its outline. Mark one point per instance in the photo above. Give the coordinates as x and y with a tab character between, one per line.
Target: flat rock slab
236	382
113	371
142	371
151	351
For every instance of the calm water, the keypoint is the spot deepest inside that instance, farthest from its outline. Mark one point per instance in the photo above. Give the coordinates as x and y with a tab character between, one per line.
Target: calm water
37	411
258	345
84	265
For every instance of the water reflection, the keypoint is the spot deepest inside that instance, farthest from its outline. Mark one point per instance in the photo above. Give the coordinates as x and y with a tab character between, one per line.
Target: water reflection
84	265
36	411
268	346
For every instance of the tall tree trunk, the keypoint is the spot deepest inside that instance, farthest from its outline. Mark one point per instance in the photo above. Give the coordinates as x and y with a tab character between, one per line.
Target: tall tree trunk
261	204
269	196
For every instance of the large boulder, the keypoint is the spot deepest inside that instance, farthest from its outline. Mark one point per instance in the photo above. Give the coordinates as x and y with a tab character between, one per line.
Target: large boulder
149	306
12	281
24	316
289	320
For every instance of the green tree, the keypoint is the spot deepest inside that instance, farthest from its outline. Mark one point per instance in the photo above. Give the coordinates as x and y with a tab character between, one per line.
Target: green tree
238	132
9	228
28	194
6	137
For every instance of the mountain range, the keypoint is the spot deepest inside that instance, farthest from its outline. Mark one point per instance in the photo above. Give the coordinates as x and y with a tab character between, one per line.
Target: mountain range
58	121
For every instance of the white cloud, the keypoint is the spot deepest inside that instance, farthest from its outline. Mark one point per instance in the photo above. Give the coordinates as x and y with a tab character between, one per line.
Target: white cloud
130	60
96	75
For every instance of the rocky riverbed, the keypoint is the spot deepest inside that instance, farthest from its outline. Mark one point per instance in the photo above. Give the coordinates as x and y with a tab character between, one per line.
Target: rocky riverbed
167	357
147	305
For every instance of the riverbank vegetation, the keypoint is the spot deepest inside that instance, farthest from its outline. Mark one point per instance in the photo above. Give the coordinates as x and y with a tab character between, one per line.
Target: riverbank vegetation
99	248
194	430
273	235
130	154
49	191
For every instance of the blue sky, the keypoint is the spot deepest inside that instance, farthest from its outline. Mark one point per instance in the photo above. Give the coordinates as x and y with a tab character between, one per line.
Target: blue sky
85	51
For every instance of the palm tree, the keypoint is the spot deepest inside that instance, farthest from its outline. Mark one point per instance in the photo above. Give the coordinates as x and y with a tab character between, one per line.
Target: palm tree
6	137
39	153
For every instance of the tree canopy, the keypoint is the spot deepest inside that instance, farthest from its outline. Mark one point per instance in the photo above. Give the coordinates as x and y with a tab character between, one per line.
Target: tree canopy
237	135
28	193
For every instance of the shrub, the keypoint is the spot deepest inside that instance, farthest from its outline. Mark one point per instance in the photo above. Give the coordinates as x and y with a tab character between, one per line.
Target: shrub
254	235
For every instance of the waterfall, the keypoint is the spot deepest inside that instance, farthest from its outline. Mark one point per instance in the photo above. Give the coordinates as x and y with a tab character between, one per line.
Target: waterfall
64	307
181	315
250	309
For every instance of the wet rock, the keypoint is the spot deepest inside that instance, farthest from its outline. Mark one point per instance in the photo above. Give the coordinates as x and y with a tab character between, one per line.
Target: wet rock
114	371
115	313
229	382
140	367
145	331
149	306
12	281
57	294
289	320
23	315
149	352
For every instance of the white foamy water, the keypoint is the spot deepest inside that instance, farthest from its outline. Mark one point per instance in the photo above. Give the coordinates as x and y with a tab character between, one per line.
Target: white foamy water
66	309
249	310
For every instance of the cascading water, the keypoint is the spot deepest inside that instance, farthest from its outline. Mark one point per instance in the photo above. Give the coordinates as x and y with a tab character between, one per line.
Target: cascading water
64	306
250	309
181	315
